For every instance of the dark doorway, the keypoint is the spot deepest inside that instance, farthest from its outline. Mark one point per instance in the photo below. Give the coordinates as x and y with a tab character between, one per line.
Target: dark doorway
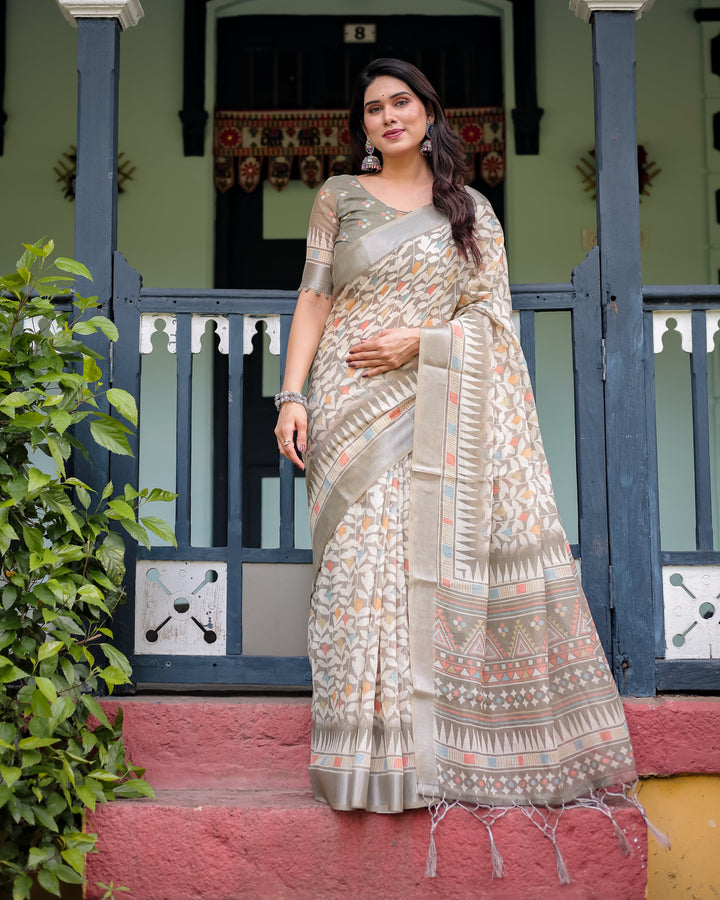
302	62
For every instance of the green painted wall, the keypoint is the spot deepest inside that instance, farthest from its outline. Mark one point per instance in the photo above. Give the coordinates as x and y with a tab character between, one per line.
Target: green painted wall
166	212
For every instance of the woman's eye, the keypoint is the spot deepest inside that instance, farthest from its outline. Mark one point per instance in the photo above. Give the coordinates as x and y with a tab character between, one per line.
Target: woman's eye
402	103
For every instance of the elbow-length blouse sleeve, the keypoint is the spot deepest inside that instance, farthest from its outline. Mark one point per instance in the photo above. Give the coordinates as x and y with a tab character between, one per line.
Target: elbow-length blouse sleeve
322	233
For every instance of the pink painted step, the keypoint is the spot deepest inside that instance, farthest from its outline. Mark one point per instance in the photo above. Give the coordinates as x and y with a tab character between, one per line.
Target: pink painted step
228	742
235	818
274	844
237	742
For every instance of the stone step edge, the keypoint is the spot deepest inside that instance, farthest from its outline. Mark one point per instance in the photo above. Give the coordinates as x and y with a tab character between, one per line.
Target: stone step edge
242	734
275	845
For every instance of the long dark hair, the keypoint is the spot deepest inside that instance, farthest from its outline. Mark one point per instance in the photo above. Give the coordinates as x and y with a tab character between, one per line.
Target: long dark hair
447	162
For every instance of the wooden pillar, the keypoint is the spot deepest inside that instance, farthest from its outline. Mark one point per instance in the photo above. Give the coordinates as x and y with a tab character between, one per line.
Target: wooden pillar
99	24
618	225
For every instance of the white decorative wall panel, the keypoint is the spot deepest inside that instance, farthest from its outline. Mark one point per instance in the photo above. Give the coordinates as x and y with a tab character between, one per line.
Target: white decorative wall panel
180	607
691	600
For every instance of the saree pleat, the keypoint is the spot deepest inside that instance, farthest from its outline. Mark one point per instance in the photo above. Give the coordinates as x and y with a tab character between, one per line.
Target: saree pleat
453	652
362	750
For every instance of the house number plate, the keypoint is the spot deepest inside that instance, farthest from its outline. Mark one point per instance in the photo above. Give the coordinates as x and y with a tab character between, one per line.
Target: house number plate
360	34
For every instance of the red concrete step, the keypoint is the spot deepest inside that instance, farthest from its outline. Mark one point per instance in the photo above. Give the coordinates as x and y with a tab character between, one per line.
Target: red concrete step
216	742
235	817
197	742
273	844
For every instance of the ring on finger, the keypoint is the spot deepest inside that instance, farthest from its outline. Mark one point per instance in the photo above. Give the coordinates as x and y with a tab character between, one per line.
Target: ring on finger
285	443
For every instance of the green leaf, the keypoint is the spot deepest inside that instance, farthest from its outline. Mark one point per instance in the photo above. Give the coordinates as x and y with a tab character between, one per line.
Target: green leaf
19	398
11	673
134	787
85	303
22	885
160	527
94	708
49	648
37	480
116	658
103	775
44	818
32	743
61	711
122	509
158	494
33	538
24	261
47	880
124	403
109	433
83	327
71	518
58	452
91	370
74	857
83	497
40	707
108	327
10	774
47	687
7	732
72	266
137	532
111	675
107	490
68	875
61	420
93	596
86	795
38	855
34	249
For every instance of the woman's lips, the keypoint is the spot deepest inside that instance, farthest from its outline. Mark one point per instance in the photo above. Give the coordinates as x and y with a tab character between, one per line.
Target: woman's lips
393	133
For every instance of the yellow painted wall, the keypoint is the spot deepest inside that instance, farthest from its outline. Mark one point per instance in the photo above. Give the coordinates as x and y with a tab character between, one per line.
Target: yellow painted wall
687	809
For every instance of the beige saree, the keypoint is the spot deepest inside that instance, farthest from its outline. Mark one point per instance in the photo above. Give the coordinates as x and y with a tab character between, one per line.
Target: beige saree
453	653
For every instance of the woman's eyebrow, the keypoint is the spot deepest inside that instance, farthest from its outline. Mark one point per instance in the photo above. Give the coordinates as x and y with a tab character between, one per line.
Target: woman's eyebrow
392	97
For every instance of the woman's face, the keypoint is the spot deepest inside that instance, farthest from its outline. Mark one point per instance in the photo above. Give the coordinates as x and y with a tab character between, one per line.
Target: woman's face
395	118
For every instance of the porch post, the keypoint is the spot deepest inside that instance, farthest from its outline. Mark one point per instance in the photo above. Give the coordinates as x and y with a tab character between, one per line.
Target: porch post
99	23
618	228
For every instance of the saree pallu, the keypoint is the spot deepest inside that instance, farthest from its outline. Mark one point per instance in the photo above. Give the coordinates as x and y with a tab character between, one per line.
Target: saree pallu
454	656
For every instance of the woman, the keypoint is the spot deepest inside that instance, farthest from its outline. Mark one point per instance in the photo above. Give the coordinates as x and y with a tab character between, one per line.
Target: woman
453	653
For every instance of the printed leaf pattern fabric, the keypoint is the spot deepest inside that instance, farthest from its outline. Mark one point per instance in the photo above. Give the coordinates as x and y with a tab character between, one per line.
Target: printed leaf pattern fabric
452	648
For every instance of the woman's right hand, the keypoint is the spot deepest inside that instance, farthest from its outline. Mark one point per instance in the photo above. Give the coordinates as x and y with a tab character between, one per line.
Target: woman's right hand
291	429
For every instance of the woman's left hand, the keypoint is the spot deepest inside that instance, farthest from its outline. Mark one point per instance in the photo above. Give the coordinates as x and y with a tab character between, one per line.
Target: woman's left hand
387	350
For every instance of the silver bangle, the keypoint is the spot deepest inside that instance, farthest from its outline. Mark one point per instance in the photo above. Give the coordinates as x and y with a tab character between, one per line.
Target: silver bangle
289	397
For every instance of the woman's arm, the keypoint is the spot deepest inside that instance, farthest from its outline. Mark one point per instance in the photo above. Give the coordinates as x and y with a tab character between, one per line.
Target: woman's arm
308	322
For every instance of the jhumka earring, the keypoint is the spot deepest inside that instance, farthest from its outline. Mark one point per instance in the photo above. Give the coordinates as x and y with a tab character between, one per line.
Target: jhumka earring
426	146
371	163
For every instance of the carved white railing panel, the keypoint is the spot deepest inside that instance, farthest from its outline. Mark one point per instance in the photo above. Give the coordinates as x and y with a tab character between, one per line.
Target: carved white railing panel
222	328
712	323
272	327
680	321
148	321
662	320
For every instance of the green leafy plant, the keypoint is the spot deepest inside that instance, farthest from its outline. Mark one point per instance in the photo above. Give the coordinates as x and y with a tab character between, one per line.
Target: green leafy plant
61	579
